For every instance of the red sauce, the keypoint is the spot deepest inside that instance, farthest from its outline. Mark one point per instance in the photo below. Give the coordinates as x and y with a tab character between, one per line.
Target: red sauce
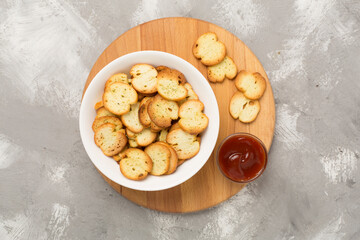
242	158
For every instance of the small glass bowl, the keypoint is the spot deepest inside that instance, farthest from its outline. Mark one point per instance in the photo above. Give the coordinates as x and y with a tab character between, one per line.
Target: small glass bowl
254	138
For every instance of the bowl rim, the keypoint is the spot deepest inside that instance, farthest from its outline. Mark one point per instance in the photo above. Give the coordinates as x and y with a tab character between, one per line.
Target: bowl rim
205	83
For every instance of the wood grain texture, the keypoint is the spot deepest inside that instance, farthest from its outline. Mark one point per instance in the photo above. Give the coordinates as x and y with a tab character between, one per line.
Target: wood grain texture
177	36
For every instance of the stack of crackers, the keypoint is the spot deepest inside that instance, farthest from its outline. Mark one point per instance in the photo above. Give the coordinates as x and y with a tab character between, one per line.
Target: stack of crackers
149	122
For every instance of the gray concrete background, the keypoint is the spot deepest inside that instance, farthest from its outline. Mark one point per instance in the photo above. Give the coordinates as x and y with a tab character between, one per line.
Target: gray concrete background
49	188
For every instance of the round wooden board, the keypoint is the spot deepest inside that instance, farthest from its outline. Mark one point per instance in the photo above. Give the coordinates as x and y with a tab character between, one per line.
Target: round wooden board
177	36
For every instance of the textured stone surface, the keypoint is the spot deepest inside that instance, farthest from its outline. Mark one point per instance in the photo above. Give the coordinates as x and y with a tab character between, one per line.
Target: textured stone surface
49	188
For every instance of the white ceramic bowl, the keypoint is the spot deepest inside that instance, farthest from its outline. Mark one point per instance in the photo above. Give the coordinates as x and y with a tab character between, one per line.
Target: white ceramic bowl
107	165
